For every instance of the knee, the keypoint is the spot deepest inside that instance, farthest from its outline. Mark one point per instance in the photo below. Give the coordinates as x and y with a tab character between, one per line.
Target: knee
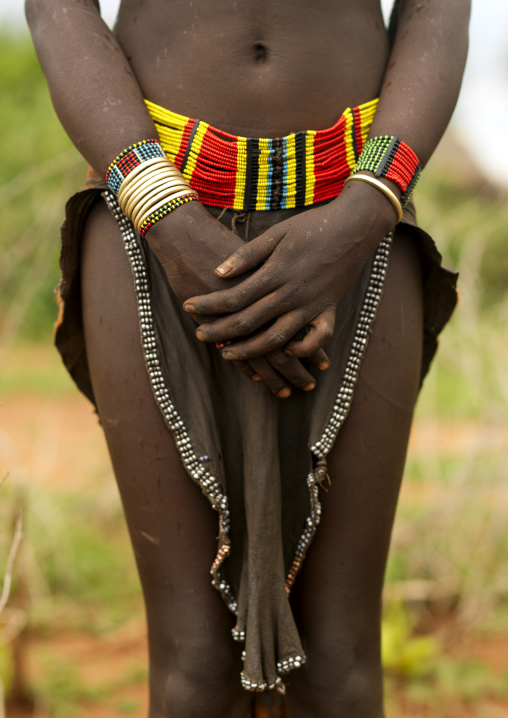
337	684
198	681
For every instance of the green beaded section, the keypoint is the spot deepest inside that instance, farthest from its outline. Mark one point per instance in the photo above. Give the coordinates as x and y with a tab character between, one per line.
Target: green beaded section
373	154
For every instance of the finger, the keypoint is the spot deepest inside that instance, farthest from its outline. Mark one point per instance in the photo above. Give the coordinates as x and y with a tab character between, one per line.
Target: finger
320	360
242	323
250	254
320	331
273	380
273	337
234	299
246	369
292	369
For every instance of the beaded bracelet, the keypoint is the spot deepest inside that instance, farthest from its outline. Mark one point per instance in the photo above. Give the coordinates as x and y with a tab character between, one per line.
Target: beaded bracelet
387	156
130	158
166	209
147	184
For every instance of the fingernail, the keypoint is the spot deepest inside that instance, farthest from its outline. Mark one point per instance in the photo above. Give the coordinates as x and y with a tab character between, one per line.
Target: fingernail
309	387
323	365
227	355
284	393
189	307
200	335
256	377
288	352
224	269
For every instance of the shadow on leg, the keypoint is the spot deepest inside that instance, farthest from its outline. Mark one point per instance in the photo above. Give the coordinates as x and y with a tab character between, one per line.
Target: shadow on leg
194	664
337	597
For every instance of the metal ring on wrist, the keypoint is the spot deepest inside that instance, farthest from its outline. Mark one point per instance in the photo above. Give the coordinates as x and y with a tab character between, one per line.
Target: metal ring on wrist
152	197
382	188
152	183
143	167
146	173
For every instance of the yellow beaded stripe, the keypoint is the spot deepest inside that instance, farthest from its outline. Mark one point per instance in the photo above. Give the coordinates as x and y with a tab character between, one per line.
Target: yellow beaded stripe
309	167
290	172
367	113
241	172
170	137
263	174
194	150
350	151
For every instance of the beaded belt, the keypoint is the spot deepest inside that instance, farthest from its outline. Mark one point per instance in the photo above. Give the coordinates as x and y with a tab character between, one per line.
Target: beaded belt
251	173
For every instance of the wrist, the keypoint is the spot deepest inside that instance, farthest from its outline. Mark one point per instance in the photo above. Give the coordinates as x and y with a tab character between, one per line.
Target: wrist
182	222
359	199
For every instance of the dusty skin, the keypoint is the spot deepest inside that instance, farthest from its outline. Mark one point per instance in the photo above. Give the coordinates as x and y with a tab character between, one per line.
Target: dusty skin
256	69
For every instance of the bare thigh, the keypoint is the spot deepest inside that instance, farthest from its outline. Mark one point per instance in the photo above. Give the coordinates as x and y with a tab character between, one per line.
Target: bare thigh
194	664
337	597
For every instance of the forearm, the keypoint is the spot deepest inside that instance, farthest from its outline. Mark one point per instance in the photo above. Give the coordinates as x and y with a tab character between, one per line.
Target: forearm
424	73
92	86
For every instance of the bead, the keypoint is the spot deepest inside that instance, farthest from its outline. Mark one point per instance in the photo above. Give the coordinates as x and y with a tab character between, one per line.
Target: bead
251	173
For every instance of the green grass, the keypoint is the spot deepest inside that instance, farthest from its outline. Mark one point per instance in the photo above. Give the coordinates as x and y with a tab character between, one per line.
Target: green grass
77	564
38	168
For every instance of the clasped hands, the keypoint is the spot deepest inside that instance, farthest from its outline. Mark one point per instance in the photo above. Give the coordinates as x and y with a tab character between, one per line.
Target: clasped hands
281	289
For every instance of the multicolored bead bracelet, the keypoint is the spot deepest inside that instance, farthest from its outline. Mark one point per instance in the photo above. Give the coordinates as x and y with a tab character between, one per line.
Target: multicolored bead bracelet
147	184
254	173
387	156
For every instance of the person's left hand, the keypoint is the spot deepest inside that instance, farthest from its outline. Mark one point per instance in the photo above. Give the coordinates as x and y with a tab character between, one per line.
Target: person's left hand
305	266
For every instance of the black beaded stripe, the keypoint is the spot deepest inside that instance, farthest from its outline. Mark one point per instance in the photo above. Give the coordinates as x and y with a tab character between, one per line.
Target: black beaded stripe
189	145
300	168
253	174
353	136
277	181
409	189
388	157
248	178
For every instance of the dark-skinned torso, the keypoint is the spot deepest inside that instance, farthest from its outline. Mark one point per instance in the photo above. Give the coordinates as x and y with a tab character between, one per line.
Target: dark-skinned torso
263	68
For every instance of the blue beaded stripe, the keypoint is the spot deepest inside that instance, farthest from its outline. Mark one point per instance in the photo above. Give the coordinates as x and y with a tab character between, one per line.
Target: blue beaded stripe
284	197
115	180
142	153
271	160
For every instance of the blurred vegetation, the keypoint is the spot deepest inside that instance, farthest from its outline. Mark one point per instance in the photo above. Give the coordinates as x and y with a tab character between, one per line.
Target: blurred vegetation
447	569
39	169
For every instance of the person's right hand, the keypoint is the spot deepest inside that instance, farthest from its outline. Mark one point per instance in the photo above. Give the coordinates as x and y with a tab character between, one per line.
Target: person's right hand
189	243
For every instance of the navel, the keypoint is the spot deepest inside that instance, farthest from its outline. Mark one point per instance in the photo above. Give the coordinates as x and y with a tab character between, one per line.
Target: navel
260	52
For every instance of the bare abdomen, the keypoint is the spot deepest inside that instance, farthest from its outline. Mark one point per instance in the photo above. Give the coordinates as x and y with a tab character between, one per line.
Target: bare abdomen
256	68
